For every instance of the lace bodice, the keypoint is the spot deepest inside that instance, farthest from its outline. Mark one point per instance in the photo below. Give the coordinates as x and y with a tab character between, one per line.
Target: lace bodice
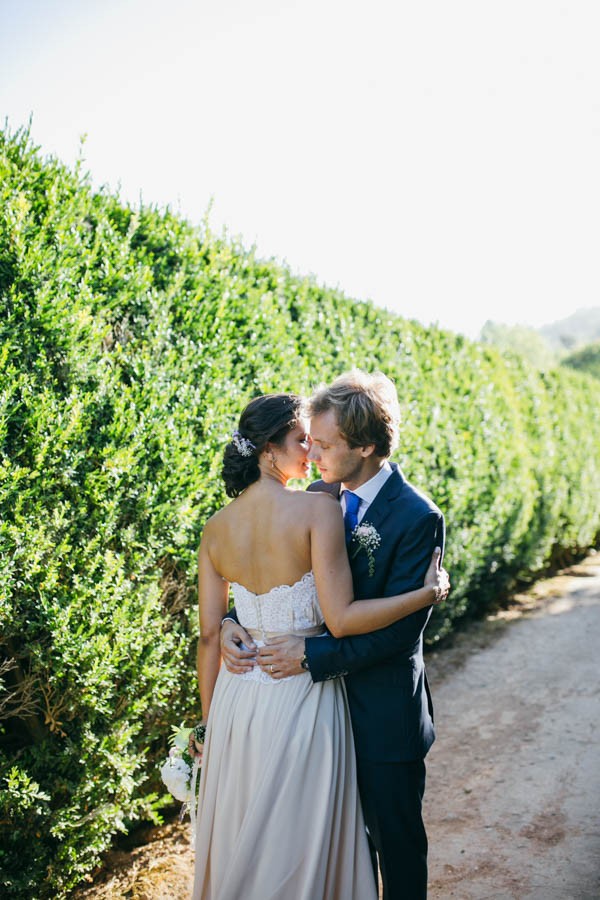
285	609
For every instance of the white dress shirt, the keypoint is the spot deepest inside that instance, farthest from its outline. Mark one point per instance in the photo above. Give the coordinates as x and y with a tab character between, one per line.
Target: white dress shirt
369	490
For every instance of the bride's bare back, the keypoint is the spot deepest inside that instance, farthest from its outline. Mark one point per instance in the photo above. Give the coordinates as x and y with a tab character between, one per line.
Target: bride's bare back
262	539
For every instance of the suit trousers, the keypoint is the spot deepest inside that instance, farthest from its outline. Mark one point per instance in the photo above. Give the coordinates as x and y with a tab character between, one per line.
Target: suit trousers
392	795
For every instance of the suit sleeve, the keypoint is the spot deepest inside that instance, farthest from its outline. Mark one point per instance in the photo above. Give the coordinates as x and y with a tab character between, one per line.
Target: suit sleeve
231	614
330	657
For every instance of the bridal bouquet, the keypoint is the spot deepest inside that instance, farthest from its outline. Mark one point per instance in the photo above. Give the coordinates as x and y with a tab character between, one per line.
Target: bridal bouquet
179	771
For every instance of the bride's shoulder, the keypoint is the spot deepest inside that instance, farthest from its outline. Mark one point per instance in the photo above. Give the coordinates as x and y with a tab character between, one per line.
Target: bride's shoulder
321	496
321	503
214	524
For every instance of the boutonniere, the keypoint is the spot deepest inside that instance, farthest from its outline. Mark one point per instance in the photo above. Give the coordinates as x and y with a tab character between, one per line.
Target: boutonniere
367	538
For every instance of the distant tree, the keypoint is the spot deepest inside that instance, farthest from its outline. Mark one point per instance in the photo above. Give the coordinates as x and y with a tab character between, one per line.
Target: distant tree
587	359
521	339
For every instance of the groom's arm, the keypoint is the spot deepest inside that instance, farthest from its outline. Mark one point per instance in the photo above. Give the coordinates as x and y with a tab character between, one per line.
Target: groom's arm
330	657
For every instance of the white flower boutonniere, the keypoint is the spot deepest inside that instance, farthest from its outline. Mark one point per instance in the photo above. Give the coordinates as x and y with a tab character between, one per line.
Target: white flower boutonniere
367	538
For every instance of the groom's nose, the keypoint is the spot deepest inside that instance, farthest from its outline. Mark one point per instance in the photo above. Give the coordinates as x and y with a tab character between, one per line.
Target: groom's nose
313	453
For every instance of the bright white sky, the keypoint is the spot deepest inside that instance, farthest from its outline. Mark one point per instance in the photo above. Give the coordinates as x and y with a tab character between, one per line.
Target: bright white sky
441	158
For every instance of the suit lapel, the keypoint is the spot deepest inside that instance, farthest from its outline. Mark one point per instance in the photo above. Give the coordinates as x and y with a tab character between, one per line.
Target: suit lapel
382	505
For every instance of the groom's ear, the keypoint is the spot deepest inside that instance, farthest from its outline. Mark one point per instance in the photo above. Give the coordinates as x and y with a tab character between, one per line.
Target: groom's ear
367	450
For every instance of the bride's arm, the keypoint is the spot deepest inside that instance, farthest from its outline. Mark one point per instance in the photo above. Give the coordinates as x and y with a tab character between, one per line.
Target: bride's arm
334	582
212	606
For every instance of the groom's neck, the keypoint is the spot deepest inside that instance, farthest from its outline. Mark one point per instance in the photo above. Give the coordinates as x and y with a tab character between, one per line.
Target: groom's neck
372	465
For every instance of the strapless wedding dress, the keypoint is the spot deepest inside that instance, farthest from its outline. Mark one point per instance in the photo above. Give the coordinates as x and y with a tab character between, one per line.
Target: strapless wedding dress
279	813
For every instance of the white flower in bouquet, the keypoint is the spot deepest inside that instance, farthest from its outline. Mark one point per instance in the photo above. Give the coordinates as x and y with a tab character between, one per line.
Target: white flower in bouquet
176	774
179	770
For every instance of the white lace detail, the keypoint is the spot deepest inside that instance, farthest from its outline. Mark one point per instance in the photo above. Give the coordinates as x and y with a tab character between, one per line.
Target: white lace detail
285	609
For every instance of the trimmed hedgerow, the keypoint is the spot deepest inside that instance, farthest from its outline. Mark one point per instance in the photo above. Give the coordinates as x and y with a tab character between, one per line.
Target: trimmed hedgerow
129	342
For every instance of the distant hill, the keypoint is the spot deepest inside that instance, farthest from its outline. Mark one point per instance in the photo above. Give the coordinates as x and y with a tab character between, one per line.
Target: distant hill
577	330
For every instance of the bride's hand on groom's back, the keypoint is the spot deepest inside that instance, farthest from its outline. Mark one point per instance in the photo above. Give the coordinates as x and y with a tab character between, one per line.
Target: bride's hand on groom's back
282	656
237	648
437	577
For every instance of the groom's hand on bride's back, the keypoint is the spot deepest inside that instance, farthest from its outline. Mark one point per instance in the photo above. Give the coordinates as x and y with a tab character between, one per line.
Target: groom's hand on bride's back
237	648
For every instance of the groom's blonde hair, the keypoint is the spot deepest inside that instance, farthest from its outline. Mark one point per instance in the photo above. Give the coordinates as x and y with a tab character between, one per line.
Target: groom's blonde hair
365	406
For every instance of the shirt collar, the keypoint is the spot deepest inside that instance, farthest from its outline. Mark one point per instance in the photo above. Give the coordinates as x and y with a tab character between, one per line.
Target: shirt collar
369	490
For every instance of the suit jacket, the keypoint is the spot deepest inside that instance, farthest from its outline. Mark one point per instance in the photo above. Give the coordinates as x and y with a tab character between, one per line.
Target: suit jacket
388	694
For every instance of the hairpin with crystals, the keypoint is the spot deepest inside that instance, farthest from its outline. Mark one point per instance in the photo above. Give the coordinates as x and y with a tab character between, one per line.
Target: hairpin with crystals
243	446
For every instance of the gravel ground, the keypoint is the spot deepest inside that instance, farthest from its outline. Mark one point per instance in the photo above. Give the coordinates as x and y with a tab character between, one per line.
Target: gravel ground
512	805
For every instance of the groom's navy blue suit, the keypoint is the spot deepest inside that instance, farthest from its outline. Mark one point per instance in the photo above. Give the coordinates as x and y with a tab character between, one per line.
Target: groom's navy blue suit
388	694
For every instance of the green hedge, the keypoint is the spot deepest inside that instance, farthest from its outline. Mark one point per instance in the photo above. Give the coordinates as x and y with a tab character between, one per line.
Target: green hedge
130	341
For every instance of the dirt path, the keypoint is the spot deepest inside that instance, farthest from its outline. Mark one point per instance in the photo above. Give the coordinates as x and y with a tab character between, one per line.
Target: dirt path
513	795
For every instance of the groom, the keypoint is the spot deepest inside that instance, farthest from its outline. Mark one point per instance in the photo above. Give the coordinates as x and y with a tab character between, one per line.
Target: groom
354	430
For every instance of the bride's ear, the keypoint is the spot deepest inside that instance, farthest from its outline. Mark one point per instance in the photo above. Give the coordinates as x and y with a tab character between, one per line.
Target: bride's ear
269	454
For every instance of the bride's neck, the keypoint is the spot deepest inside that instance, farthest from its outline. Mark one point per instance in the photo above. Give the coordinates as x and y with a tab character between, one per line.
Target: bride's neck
272	475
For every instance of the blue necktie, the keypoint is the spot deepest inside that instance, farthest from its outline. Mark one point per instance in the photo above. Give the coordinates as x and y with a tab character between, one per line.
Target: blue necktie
351	514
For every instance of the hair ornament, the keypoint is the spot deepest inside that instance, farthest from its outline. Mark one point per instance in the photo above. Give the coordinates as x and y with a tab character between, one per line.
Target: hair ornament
243	446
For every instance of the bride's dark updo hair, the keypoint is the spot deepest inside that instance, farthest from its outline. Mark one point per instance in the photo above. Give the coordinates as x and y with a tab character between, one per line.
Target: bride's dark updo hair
266	419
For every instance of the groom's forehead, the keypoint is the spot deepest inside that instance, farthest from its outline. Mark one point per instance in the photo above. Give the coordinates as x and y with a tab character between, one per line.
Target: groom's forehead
324	427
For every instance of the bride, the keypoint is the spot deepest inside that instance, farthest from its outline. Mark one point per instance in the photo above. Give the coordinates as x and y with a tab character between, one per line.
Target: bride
279	813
